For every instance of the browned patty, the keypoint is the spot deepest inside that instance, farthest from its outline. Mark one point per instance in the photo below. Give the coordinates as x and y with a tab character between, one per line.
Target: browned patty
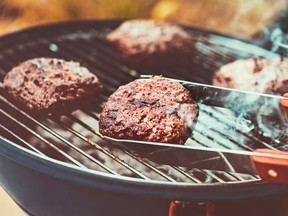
150	43
150	110
47	84
257	75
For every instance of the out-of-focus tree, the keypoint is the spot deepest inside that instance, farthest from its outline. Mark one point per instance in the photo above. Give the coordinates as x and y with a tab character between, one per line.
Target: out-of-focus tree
239	17
244	18
16	14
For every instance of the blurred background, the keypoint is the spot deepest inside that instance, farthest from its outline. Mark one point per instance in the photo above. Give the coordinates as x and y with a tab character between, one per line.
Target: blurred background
242	18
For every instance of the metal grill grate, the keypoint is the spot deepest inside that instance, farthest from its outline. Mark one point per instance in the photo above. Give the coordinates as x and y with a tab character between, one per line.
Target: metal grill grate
73	138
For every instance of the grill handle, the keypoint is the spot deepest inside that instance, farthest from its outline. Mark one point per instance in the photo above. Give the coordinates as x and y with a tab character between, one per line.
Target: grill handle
272	169
181	208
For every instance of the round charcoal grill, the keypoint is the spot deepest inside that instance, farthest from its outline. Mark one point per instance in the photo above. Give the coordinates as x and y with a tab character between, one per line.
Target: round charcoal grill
59	166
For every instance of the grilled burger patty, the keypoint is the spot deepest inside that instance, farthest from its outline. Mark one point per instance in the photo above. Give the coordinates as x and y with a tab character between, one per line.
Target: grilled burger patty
151	43
152	109
43	84
257	75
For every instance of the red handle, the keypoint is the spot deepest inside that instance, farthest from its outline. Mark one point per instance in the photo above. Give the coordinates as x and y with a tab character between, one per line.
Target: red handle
180	208
272	169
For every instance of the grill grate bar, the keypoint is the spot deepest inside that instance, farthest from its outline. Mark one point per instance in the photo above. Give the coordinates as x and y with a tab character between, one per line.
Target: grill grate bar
78	149
202	126
210	173
21	140
106	53
105	48
61	138
187	175
252	136
228	124
67	156
144	162
240	178
90	142
101	60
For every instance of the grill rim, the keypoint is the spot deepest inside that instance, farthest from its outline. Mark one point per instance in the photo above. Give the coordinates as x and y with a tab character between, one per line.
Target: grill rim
180	190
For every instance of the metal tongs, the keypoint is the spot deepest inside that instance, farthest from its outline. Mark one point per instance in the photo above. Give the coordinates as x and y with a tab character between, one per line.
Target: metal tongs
270	164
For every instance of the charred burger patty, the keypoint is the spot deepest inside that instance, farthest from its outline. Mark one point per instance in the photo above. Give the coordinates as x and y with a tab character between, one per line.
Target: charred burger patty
152	109
48	84
254	74
151	43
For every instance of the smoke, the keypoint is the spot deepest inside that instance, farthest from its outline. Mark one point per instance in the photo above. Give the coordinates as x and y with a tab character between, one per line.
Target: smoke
272	123
260	113
279	42
243	124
